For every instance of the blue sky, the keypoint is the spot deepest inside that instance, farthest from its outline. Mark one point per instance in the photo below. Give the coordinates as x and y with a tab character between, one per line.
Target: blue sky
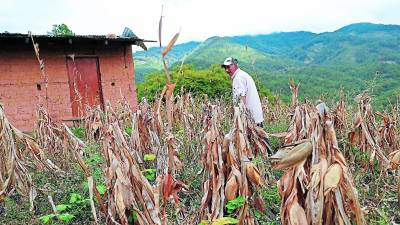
197	20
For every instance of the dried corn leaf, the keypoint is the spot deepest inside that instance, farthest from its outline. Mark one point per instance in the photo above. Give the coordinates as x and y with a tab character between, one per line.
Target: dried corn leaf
395	159
231	188
332	177
253	174
292	157
170	44
297	214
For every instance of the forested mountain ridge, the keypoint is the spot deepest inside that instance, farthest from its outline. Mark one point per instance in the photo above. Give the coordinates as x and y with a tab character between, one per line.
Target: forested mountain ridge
355	57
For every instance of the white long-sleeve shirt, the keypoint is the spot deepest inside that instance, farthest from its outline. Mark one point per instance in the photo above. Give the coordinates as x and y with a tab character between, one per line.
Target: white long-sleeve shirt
243	85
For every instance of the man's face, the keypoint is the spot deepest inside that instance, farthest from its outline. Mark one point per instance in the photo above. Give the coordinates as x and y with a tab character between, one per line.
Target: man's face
231	69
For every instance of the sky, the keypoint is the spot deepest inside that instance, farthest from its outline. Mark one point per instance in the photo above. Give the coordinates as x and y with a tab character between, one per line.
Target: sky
196	20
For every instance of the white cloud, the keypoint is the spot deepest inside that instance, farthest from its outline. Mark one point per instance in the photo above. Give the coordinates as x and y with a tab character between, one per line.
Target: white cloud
198	19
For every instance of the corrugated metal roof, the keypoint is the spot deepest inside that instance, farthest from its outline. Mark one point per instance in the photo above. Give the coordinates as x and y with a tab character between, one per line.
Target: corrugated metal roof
111	38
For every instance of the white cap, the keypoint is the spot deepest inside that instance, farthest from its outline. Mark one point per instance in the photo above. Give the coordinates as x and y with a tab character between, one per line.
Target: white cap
229	61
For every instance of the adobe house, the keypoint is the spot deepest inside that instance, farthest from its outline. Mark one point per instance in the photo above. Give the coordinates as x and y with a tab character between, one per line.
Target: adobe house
80	69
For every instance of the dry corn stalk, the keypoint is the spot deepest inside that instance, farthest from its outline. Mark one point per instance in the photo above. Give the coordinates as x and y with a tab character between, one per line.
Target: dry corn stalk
76	146
167	156
144	130
394	158
47	132
93	124
339	116
50	137
127	188
167	164
41	67
228	169
212	203
179	108
157	113
299	126
123	109
269	114
167	160
150	140
239	167
183	115
137	138
364	132
169	105
14	174
258	139
280	108
316	187
34	150
295	92
387	131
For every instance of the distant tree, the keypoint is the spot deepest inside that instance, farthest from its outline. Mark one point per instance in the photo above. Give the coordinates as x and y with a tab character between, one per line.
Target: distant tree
61	30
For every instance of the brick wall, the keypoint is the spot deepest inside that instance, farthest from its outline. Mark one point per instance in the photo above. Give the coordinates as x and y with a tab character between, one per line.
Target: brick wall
20	80
116	69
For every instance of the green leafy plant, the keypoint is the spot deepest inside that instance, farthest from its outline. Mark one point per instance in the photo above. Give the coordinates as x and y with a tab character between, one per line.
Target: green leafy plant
101	188
62	207
149	157
66	217
74	200
132	216
220	221
234	204
77	199
257	160
383	218
74	197
95	159
150	174
47	218
271	195
79	132
128	130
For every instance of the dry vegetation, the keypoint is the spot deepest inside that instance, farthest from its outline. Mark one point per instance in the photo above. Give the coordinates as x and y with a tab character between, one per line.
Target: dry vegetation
200	161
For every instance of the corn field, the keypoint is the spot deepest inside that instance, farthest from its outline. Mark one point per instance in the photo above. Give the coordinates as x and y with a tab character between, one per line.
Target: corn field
192	160
185	160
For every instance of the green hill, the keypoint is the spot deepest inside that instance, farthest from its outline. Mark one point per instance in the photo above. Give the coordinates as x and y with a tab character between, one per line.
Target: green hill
150	61
352	45
214	50
355	57
276	43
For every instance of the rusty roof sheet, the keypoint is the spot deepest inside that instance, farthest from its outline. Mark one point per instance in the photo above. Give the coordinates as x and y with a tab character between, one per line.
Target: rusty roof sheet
109	38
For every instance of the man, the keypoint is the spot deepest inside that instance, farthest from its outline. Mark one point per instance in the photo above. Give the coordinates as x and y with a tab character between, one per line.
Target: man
244	89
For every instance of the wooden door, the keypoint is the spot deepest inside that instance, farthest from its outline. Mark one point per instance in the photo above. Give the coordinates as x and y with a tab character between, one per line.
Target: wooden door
84	84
